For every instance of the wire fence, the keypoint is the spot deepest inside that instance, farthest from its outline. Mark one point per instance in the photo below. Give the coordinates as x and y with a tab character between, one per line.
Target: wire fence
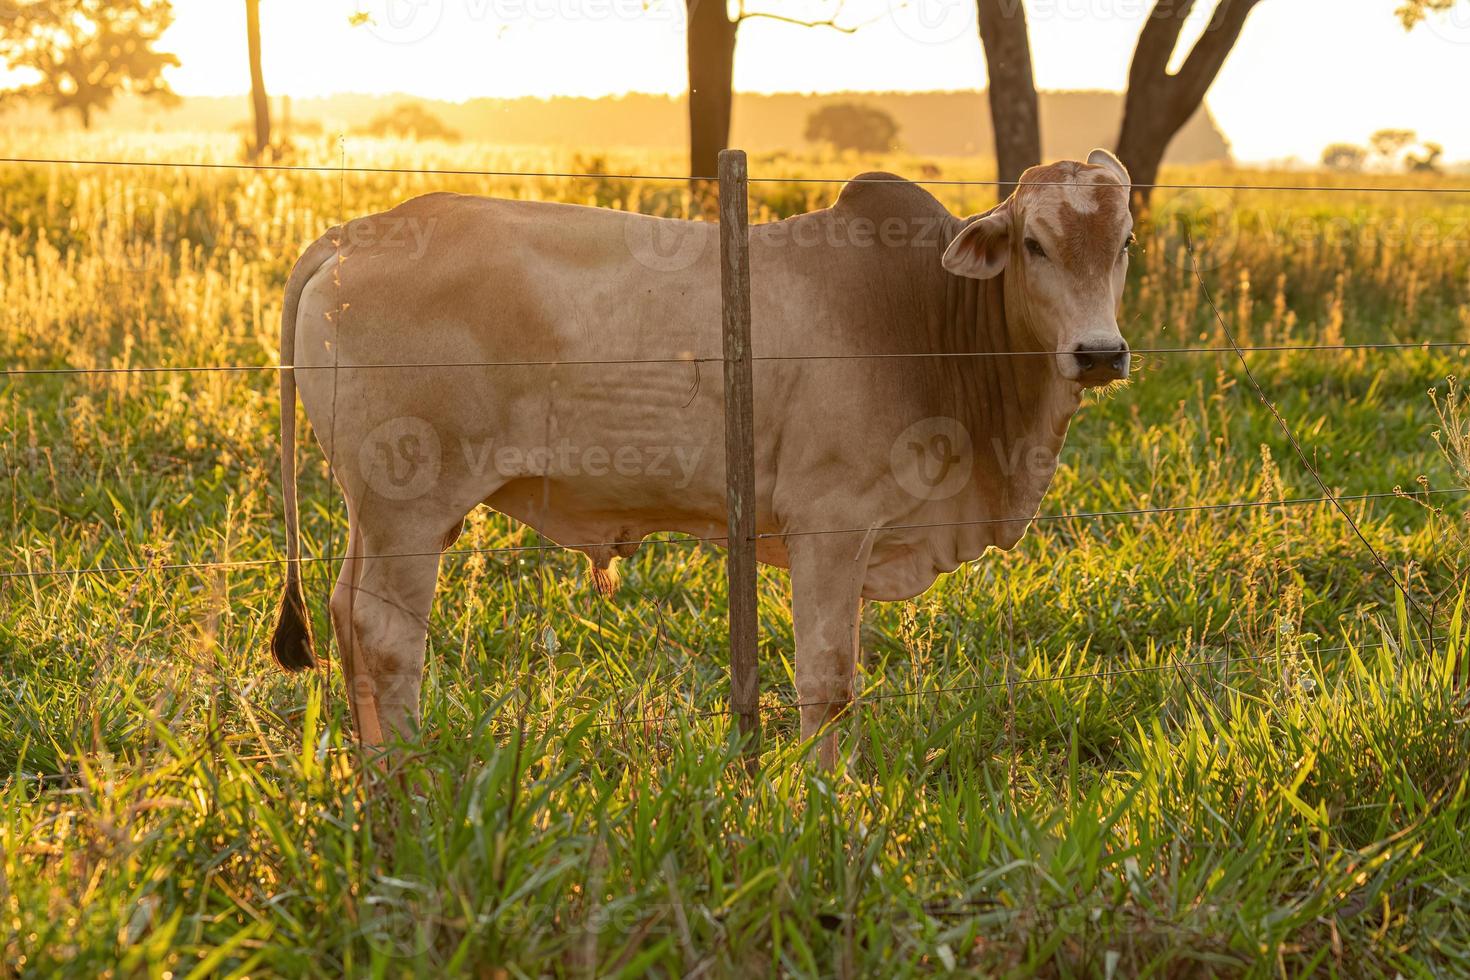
21	372
685	178
1327	497
660	720
695	539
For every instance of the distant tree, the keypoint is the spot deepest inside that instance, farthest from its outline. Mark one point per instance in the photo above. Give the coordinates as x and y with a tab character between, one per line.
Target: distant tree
1014	108
410	120
1427	162
1344	157
85	52
849	126
260	103
1411	12
1390	143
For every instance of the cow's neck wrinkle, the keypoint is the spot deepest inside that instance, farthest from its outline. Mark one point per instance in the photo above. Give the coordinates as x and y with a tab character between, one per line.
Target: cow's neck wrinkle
1017	407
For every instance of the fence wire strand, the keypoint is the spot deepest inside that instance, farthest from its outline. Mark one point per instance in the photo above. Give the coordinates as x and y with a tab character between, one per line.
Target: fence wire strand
578	175
22	372
720	539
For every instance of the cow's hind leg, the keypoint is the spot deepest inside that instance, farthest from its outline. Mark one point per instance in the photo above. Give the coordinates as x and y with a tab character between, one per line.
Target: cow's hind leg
827	574
360	698
380	611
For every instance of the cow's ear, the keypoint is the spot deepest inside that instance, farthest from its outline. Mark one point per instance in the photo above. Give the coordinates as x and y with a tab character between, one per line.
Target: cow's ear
982	248
1102	158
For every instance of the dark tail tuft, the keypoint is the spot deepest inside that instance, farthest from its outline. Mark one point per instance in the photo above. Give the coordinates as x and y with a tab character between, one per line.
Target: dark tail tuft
291	643
605	580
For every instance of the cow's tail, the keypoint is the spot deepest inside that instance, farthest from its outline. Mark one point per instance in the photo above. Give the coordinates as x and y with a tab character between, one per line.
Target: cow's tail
291	643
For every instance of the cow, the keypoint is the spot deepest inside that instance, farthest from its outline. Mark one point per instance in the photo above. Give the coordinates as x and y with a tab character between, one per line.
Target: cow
914	380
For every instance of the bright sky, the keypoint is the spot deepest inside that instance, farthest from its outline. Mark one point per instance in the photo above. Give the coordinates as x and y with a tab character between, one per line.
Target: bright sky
1305	73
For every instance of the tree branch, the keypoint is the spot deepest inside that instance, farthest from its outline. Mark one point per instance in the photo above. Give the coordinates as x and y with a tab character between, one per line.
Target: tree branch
1197	74
830	22
1156	43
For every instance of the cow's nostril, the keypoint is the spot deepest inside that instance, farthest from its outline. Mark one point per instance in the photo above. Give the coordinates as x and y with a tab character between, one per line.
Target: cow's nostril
1095	359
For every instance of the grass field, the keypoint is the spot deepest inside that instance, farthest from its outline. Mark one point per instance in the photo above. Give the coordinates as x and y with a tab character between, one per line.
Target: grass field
1269	777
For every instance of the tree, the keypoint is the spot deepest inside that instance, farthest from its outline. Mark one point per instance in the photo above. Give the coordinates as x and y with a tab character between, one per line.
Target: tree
410	120
710	43
87	51
1411	12
1014	112
849	126
1427	162
1390	143
258	100
1158	102
1344	157
710	46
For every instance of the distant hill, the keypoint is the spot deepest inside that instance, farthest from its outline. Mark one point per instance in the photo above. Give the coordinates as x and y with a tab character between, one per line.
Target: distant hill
937	123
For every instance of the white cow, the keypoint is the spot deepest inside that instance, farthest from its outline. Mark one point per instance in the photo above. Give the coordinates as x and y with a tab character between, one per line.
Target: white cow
543	359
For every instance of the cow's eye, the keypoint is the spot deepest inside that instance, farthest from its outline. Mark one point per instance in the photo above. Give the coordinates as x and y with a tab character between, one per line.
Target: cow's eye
1034	247
1128	245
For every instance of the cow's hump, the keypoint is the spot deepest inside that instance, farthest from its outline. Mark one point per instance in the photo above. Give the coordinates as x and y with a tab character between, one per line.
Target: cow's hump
881	194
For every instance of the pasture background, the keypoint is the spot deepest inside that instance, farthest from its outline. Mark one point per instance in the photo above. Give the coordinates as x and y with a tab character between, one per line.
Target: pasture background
173	803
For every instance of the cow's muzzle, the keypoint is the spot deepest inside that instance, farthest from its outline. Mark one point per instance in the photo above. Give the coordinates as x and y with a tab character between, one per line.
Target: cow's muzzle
1100	364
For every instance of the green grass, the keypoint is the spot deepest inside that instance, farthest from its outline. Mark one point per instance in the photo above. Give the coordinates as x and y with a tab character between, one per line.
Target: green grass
1292	802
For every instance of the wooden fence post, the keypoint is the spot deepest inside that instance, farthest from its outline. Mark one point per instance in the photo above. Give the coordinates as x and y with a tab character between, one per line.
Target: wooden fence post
739	447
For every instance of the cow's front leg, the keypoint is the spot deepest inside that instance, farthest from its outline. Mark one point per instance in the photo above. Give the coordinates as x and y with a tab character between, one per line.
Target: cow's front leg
827	573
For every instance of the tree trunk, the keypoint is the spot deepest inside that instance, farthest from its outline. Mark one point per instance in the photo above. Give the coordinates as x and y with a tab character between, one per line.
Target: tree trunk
1014	114
1158	104
711	49
257	80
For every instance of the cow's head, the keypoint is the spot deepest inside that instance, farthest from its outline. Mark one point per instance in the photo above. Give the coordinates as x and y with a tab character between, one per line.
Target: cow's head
1062	241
